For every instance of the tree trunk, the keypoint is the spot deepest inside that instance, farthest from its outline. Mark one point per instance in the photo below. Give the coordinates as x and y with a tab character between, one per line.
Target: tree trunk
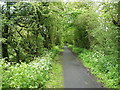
119	29
0	33
5	34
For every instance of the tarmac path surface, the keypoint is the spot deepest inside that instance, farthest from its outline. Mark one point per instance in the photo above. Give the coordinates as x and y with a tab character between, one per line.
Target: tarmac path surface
75	74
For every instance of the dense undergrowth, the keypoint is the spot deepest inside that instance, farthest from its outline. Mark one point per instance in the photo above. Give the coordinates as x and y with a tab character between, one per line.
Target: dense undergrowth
32	32
94	35
31	39
29	75
102	66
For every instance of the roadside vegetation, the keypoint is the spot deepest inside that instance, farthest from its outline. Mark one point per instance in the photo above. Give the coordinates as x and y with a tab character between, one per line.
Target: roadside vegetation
32	40
35	74
56	76
94	36
34	33
106	72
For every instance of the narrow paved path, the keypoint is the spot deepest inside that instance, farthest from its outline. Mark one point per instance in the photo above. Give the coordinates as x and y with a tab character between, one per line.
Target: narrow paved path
75	75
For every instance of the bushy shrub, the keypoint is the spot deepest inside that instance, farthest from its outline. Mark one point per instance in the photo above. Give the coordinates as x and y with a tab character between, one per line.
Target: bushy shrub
70	46
76	49
55	50
104	67
32	75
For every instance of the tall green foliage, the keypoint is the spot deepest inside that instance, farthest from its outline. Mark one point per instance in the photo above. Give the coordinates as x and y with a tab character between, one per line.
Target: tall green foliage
97	30
32	37
32	27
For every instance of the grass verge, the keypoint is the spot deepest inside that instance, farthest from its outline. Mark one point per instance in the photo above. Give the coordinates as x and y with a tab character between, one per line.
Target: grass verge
56	76
104	67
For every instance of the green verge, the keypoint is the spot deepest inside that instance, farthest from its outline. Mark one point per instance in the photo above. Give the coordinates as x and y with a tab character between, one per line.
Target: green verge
56	76
1	74
104	67
35	74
